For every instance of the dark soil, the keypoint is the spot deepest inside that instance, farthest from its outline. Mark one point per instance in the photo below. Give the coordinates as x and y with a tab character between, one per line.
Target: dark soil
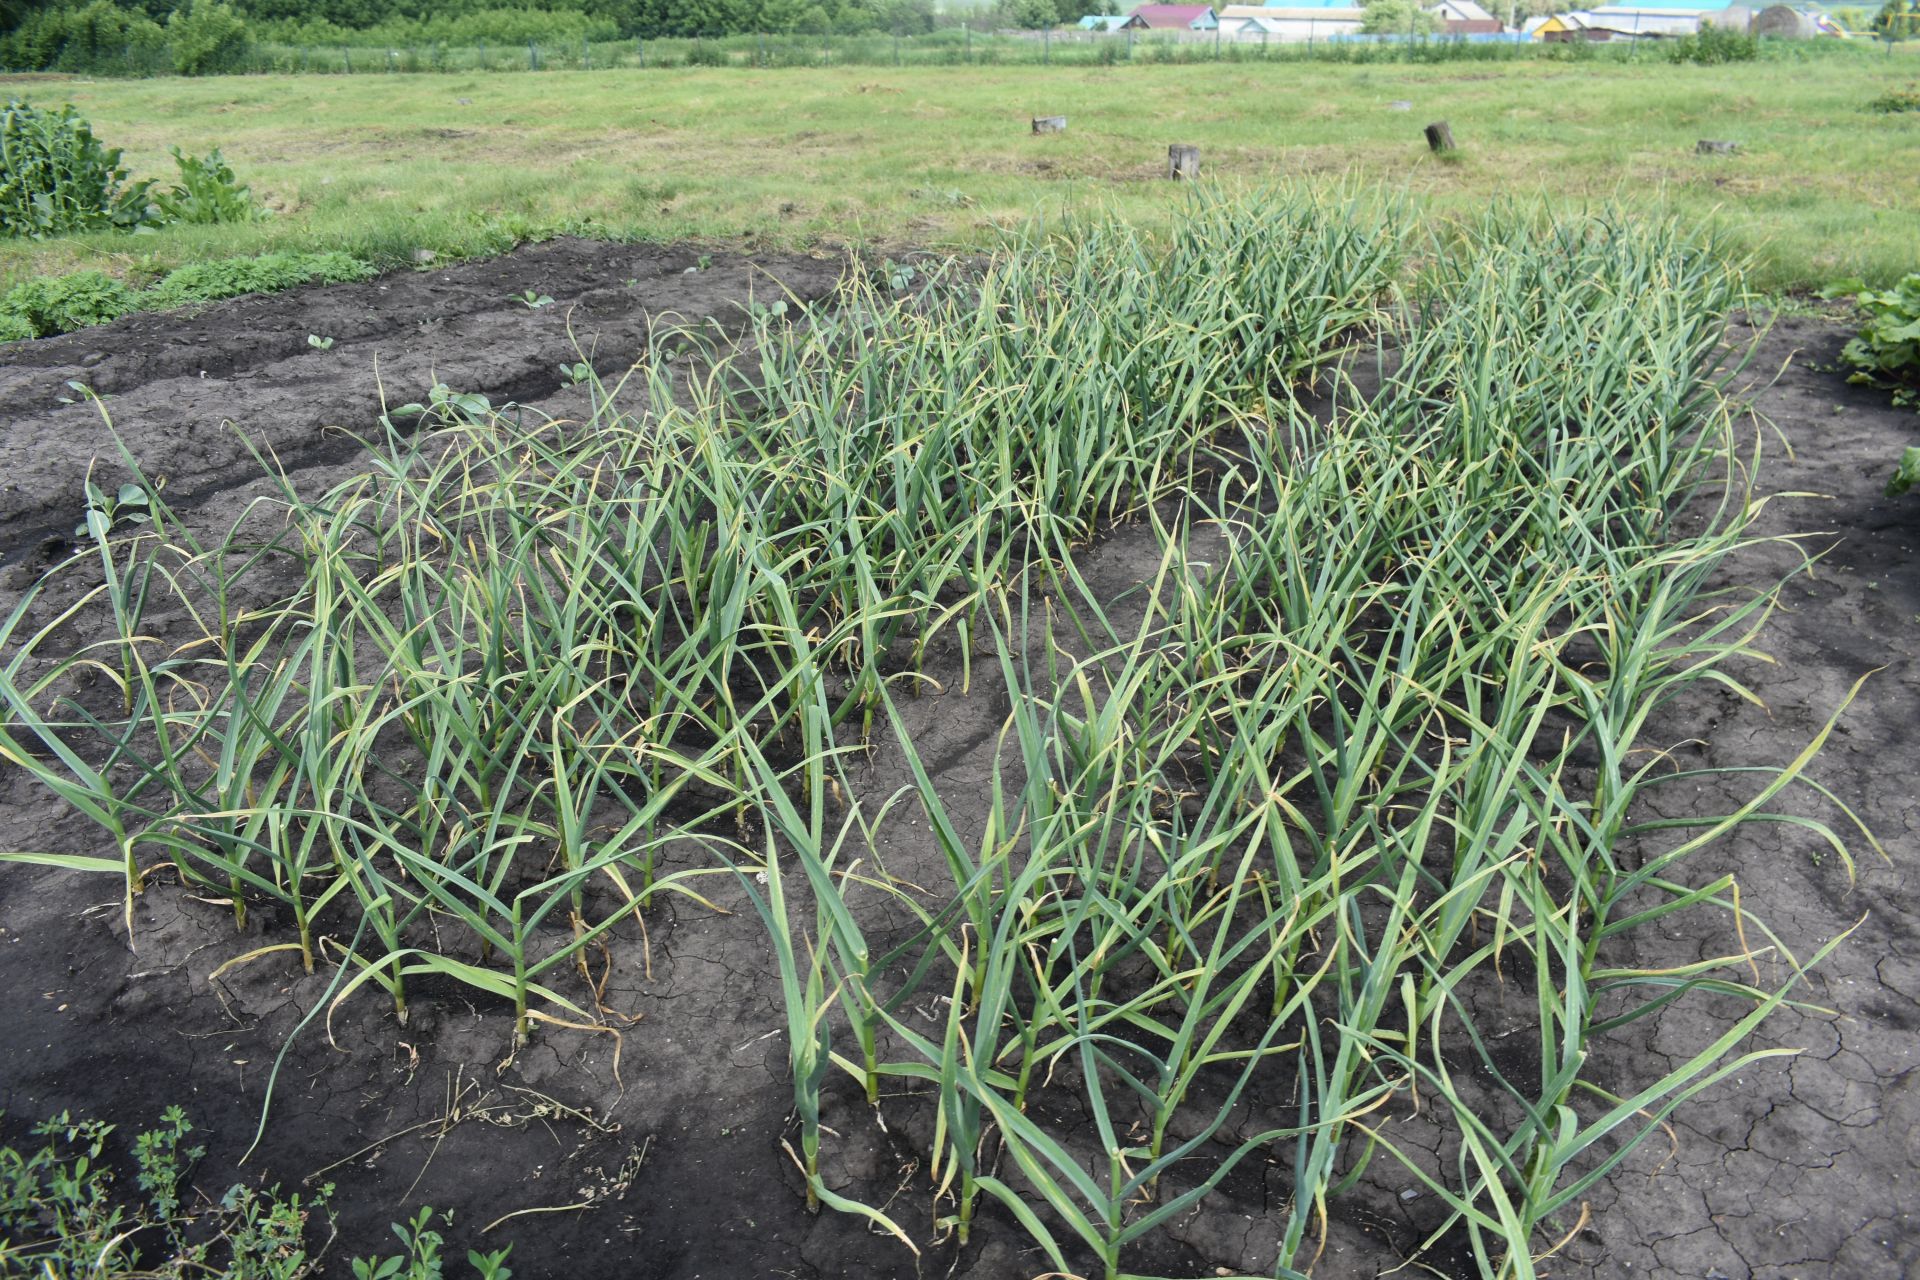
1799	1167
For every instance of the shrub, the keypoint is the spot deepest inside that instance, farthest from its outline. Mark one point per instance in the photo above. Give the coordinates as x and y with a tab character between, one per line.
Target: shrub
206	38
1894	101
56	304
56	177
206	193
84	38
1712	46
704	53
1397	18
231	277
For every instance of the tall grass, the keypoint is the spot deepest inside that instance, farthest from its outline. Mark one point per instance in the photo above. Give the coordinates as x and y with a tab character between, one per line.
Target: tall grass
1261	843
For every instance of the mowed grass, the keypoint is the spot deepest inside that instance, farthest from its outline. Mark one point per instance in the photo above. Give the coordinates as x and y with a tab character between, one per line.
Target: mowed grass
386	164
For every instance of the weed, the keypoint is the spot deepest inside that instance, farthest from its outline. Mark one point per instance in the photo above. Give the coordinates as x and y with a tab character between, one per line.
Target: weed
57	304
1907	474
1714	46
56	177
1886	351
61	1214
268	273
532	301
206	193
129	505
1896	101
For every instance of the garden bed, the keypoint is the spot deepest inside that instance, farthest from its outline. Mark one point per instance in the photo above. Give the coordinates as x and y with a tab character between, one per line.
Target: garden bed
676	1167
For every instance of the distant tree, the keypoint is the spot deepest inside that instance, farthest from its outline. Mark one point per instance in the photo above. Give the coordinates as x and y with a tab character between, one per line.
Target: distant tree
1027	15
1900	19
206	38
1397	18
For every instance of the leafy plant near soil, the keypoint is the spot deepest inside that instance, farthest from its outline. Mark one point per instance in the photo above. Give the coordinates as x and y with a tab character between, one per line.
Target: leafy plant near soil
61	1214
59	304
1262	843
1886	352
1907	474
267	273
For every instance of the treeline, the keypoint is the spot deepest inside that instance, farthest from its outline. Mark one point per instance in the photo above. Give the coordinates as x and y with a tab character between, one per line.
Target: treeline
197	37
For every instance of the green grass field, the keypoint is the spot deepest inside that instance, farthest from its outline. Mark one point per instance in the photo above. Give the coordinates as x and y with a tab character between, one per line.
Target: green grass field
385	165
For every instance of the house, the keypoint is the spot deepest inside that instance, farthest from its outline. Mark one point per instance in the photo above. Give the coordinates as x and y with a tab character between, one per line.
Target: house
1104	21
1644	20
1459	11
1301	20
1249	22
1174	17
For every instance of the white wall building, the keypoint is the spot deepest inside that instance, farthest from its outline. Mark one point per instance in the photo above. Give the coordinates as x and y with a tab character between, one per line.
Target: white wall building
1296	20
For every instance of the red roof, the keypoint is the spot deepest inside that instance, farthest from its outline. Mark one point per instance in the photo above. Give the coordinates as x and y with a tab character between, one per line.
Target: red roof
1171	17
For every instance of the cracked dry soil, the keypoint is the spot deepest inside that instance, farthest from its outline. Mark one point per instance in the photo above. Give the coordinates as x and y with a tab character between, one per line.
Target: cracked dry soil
1800	1168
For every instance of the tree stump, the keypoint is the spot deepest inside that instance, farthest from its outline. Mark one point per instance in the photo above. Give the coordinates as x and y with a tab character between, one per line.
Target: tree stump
1183	161
1439	136
1708	147
1049	124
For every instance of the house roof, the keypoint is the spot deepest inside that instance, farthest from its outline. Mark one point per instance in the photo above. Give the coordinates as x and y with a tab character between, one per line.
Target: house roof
1675	7
1102	21
1625	22
1311	4
1173	16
